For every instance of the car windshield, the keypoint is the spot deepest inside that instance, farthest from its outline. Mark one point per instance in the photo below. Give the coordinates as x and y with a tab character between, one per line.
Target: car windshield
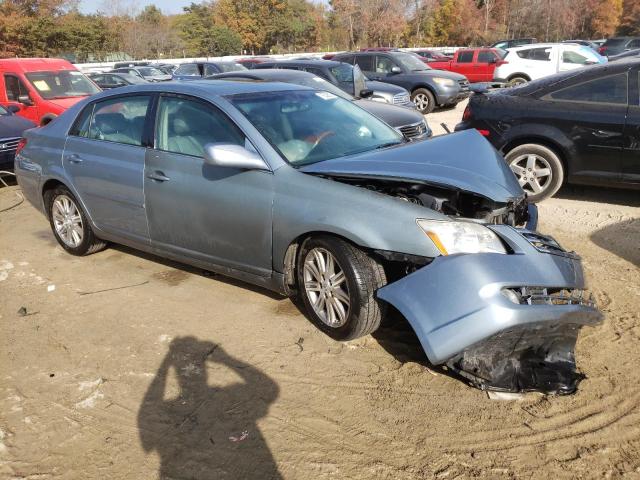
308	126
317	83
62	84
3	111
231	67
149	71
410	62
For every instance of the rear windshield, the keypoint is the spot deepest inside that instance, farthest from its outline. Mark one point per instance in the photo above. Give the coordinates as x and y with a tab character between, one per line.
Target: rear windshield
62	84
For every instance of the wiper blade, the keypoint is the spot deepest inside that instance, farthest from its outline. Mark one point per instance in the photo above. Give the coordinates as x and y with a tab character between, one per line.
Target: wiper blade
387	145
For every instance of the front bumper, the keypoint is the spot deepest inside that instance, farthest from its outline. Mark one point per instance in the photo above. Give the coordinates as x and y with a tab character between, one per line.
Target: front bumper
462	317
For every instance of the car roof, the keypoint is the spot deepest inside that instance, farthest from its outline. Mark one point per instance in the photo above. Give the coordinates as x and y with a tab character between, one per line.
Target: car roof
36	64
311	63
265	73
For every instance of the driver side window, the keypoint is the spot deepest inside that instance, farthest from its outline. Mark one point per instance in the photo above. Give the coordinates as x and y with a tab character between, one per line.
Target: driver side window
185	126
14	88
384	65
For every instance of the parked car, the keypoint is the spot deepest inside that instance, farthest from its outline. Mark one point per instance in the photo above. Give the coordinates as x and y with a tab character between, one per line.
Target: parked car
304	193
115	80
477	64
628	55
166	68
581	126
586	43
514	42
341	75
523	64
251	62
42	88
11	129
616	45
407	121
429	88
131	63
198	70
429	56
150	74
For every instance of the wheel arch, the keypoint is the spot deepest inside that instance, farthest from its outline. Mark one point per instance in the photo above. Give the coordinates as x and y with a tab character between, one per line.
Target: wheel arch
53	182
551	144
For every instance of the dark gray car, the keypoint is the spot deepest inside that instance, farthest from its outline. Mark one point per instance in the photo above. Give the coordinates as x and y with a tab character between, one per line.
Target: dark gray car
305	193
429	88
407	121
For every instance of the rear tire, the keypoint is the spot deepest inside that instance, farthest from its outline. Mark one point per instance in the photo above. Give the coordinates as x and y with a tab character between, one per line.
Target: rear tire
538	169
424	100
515	81
347	286
70	224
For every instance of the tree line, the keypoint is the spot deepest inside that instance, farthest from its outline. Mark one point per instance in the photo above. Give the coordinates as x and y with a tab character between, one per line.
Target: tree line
47	28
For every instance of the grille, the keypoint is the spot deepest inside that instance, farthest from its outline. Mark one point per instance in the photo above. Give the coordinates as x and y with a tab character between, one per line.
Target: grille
401	99
549	296
415	130
464	85
8	144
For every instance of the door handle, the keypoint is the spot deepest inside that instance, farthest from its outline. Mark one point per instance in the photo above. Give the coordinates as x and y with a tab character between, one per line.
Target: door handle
74	158
158	176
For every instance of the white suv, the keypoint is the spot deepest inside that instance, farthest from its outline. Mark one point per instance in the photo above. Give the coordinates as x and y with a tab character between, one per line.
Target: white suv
530	62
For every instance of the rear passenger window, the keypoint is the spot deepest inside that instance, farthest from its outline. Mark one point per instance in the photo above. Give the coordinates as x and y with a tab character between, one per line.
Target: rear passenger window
120	119
611	89
185	126
14	88
80	127
540	54
465	57
365	62
486	57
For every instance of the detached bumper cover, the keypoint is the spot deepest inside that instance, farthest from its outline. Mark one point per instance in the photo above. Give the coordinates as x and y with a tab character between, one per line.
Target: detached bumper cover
464	315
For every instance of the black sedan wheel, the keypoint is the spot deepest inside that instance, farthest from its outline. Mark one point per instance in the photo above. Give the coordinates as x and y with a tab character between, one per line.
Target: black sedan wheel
424	100
337	284
69	223
538	169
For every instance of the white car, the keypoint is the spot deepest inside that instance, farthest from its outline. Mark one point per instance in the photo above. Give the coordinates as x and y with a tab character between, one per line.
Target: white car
530	62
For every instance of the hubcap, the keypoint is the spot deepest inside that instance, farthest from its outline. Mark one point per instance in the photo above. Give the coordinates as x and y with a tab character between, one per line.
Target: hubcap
421	101
533	172
67	221
326	287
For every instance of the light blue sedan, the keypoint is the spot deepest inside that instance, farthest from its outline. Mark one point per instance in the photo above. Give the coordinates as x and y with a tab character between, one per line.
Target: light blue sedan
303	192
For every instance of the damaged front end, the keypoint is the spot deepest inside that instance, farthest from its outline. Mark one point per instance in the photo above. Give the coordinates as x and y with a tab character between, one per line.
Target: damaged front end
505	322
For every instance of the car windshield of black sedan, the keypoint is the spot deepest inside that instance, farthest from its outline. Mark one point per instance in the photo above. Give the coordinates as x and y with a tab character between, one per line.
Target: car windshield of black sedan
410	62
312	126
62	84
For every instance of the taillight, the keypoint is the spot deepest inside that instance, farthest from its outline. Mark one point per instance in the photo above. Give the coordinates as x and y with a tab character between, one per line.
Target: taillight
21	144
467	114
601	50
484	133
501	62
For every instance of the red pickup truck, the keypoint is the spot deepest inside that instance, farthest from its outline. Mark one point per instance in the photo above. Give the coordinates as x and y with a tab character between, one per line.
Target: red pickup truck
477	64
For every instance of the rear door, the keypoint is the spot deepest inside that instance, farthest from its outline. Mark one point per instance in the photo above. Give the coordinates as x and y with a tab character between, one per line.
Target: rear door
463	64
485	65
592	115
631	147
217	215
104	157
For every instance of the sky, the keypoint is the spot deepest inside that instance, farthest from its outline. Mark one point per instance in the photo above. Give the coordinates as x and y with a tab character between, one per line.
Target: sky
167	6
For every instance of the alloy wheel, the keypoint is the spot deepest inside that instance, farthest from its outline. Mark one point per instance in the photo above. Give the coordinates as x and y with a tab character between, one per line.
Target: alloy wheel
67	221
533	172
422	101
326	287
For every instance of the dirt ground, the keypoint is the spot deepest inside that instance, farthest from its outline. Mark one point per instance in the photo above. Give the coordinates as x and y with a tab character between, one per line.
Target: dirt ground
128	366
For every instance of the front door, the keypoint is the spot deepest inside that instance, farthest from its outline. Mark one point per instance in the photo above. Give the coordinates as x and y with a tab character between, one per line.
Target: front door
214	214
104	156
16	93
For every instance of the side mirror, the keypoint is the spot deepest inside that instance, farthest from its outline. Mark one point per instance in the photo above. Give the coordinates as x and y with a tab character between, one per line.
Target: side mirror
25	100
232	156
13	108
366	93
396	70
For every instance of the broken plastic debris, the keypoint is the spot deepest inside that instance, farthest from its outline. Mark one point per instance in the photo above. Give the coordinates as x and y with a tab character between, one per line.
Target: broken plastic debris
22	311
510	396
51	288
242	436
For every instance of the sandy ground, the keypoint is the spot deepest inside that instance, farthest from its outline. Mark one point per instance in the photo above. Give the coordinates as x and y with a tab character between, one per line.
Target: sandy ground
129	366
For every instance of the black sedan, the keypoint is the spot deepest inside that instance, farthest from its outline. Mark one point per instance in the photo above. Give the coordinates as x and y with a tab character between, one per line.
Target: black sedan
429	88
407	121
11	128
114	80
581	126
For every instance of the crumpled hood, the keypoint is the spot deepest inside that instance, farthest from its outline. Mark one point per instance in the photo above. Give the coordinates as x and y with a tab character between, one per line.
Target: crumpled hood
12	126
463	160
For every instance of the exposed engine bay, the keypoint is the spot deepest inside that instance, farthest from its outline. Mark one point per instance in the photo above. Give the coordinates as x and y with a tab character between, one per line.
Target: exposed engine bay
447	200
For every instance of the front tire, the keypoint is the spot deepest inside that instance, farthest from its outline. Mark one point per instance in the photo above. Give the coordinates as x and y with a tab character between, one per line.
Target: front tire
424	100
337	284
538	169
515	81
69	223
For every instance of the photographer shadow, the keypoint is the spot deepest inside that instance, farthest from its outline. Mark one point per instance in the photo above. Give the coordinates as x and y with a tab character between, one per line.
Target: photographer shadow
202	431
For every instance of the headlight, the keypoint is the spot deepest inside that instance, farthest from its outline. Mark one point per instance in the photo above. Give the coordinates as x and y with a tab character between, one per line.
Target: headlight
461	237
444	82
379	99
